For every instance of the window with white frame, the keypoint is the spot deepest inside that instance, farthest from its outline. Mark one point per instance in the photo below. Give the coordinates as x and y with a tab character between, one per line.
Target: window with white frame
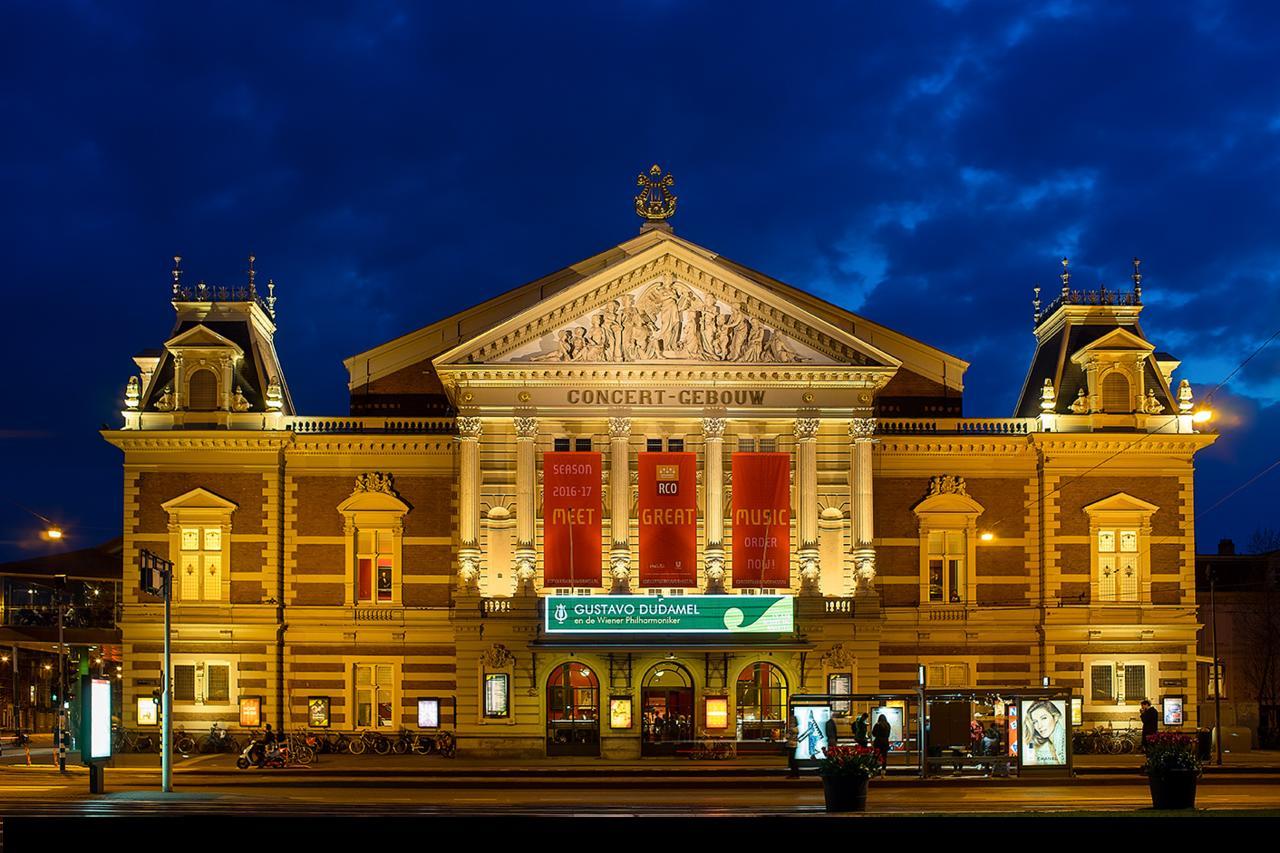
1120	546
202	683
375	566
1117	564
373	696
199	534
940	674
947	556
1118	682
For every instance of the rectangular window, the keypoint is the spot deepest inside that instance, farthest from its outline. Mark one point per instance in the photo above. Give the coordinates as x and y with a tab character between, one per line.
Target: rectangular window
1103	683
946	566
1135	683
939	675
1117	565
373	696
200	564
675	445
560	445
375	567
218	684
184	683
653	445
582	445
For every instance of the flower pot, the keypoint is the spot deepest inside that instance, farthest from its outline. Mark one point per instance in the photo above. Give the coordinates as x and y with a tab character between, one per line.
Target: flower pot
1173	789
845	793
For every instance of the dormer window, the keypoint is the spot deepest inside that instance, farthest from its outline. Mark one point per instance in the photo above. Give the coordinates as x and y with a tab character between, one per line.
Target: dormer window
202	391
1116	398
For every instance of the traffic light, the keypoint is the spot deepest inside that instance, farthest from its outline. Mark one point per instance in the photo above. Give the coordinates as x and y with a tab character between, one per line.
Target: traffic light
155	695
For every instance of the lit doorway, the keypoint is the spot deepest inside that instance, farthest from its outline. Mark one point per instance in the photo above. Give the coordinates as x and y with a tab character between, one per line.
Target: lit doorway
573	711
666	705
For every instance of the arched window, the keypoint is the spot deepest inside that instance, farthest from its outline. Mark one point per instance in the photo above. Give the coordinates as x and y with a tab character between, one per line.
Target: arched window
1115	393
666	706
573	710
202	391
762	702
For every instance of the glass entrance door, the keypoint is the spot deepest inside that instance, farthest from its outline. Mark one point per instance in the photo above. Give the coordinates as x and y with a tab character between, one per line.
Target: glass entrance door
666	702
573	711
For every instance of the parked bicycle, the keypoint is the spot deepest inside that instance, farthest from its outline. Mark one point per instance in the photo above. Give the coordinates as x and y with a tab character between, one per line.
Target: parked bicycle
446	745
371	741
182	742
218	740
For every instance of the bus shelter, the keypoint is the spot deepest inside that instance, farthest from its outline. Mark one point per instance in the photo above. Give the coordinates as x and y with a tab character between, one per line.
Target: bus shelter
813	714
998	731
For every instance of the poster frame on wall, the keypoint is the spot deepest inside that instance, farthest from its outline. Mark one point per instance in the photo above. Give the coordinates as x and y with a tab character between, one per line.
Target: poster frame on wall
1173	709
243	706
428	708
313	719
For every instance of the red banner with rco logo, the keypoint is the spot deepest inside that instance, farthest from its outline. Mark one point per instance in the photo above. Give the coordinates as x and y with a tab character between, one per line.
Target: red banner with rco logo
668	519
761	520
571	514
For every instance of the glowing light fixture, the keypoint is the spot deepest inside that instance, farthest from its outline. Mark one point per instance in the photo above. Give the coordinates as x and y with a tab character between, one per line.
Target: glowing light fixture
987	536
54	533
1201	416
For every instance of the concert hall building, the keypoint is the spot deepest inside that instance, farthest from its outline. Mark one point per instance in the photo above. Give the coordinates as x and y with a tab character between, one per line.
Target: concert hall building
647	500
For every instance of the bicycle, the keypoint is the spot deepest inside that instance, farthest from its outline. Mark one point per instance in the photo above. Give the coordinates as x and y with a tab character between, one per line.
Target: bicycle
218	740
369	739
445	744
182	742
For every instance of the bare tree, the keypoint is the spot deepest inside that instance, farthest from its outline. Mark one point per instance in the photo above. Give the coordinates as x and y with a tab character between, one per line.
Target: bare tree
1264	540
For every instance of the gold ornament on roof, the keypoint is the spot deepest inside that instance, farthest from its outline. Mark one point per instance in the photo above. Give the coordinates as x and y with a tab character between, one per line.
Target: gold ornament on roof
656	202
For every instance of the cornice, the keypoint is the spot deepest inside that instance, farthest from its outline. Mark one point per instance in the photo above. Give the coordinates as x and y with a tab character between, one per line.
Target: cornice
1145	443
673	373
185	440
929	445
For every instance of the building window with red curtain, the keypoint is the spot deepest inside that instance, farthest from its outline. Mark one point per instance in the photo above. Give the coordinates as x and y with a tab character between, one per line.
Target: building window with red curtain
375	567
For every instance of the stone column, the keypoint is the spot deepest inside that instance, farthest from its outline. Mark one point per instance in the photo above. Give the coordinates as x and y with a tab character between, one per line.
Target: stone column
862	432
713	512
806	432
526	556
469	431
620	503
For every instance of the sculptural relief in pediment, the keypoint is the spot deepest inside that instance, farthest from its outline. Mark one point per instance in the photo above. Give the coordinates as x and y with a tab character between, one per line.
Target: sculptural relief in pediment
666	320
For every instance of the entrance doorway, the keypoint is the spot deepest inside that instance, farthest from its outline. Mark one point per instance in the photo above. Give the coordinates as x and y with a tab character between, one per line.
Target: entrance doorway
573	711
666	703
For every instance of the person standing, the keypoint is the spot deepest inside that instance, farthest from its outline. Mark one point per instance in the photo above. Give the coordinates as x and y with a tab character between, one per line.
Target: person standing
860	727
1150	721
880	740
793	744
832	735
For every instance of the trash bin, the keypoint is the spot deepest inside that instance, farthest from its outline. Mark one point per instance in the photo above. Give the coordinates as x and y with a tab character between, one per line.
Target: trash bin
1204	743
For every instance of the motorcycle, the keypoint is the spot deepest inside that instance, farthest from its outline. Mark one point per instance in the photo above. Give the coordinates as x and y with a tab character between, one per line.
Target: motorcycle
273	757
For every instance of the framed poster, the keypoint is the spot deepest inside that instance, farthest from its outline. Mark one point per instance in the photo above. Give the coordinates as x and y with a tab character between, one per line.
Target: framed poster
811	722
148	711
1172	710
620	712
840	683
1044	732
496	694
318	712
428	712
1077	711
717	712
895	715
250	712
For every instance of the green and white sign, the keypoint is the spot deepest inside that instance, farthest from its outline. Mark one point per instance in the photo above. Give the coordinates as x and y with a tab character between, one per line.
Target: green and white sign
693	614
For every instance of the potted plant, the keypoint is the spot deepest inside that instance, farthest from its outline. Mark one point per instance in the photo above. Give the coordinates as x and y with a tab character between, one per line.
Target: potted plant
1172	769
845	771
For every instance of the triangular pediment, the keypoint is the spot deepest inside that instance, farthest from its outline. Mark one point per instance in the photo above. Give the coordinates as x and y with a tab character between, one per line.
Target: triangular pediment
202	337
1122	502
666	306
199	498
1118	340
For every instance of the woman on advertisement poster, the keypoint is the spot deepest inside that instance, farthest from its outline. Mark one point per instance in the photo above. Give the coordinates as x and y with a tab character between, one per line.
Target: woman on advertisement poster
1046	735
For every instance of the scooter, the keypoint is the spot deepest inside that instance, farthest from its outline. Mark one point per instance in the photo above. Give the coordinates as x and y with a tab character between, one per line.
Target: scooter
274	757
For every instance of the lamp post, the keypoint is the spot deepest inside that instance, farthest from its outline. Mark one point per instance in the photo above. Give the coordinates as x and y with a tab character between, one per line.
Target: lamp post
1217	664
58	595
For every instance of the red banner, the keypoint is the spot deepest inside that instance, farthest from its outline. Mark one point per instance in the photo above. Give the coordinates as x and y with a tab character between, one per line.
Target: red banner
761	520
571	514
668	519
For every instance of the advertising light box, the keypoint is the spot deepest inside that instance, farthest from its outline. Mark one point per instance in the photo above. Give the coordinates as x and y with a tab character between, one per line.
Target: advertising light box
148	711
620	712
250	712
693	614
717	712
428	713
1044	732
1173	710
95	719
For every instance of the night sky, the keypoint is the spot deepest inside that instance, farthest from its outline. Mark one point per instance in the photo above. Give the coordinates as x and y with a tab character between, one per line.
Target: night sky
922	164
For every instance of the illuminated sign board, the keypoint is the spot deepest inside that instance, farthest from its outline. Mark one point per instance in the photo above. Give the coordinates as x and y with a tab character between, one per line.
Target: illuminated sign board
428	713
318	712
620	712
1173	710
693	614
95	719
1044	732
250	712
148	711
495	695
717	712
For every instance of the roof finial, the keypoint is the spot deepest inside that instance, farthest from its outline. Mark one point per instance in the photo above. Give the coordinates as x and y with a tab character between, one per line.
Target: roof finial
271	298
1066	279
655	202
1137	280
1036	302
253	289
177	275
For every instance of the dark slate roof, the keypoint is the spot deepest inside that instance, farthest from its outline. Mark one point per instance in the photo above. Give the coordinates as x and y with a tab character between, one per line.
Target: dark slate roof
103	562
1068	381
248	375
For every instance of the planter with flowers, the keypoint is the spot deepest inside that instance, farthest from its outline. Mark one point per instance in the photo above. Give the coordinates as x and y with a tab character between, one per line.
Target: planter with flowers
1172	769
845	772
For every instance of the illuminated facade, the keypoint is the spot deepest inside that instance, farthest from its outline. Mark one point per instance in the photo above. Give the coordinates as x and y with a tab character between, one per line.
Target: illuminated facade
654	424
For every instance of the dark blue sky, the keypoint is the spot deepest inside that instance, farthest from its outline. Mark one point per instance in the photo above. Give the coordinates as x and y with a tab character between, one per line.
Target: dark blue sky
922	164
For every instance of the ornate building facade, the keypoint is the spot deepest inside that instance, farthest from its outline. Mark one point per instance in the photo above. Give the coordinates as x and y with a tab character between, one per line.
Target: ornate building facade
534	502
